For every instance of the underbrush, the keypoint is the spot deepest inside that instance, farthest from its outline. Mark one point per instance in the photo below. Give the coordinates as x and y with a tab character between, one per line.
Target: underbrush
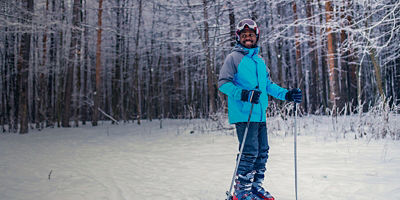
380	121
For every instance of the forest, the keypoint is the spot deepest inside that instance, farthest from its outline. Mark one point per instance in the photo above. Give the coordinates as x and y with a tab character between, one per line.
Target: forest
70	62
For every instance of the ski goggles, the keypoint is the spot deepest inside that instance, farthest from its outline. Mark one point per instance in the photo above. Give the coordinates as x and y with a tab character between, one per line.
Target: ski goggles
250	23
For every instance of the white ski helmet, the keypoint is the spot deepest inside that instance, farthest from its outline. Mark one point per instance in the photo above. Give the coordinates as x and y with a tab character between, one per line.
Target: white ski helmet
251	24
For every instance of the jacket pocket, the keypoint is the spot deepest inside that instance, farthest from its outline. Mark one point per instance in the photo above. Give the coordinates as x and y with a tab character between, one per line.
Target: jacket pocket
246	107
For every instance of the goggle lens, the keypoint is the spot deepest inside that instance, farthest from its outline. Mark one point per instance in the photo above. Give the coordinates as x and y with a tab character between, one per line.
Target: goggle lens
247	22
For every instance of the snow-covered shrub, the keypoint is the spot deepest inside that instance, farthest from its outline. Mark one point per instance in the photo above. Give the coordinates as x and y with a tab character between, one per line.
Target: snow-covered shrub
277	118
217	122
381	121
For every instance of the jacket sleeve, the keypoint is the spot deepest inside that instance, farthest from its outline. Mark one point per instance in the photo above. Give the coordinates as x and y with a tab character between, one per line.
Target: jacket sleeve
226	79
276	91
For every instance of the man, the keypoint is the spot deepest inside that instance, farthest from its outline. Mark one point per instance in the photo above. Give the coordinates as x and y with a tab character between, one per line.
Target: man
244	78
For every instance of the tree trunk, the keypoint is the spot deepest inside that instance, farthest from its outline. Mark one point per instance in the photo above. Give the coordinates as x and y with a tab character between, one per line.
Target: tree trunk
232	23
372	54
314	97
42	98
78	75
300	79
8	79
98	92
253	8
278	48
74	48
157	82
23	69
323	89
14	88
378	75
137	68
116	81
4	118
86	68
331	58
210	72
342	63
127	85
351	60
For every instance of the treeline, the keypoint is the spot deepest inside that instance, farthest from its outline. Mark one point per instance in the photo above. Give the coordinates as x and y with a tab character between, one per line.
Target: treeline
68	62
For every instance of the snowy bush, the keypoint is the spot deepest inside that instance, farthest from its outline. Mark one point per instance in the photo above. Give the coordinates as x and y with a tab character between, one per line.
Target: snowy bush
380	121
215	123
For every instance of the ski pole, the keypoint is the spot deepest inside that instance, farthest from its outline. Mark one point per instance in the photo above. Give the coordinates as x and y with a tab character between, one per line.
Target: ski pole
229	193
295	150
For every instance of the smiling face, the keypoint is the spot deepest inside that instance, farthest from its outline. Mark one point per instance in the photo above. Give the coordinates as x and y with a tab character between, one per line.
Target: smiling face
248	38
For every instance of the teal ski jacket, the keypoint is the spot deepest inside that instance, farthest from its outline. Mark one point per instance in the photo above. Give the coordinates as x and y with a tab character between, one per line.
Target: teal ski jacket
245	69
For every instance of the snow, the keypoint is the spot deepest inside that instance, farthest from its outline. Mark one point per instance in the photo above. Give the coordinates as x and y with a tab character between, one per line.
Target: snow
140	162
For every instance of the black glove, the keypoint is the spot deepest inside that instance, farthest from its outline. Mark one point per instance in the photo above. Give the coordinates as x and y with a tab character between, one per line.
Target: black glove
294	95
252	96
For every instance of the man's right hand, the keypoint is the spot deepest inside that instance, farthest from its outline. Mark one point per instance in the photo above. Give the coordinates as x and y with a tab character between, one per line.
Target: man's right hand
252	96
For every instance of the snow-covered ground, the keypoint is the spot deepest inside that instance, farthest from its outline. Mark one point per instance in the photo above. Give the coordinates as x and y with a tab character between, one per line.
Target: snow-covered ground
182	162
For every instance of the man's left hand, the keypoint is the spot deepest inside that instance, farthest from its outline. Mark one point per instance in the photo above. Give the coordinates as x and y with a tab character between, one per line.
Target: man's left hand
294	95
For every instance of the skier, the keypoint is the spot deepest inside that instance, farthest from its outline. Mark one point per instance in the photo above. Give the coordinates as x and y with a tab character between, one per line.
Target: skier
244	78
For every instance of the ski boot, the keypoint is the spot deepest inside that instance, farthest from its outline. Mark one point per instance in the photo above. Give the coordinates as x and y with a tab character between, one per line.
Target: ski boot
262	193
257	188
243	185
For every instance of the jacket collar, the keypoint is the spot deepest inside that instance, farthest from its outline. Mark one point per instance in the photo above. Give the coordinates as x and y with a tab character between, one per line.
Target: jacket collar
246	51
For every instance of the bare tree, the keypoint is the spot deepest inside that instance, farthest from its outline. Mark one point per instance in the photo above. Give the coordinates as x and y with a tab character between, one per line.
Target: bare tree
117	79
333	85
232	23
98	92
300	81
23	68
314	96
209	68
74	48
137	75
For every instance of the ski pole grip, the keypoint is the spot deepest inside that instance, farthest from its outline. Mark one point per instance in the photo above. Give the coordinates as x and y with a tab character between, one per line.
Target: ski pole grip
251	97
